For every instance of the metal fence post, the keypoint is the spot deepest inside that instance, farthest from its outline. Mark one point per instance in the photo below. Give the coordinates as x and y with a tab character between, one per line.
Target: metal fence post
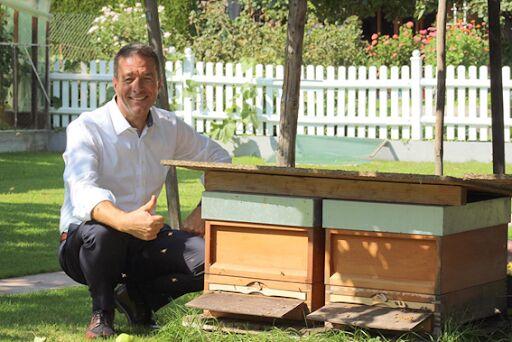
416	96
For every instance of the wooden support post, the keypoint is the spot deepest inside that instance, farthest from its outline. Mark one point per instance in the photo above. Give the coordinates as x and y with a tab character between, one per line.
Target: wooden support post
155	39
46	124
291	84
15	36
498	144
33	84
441	85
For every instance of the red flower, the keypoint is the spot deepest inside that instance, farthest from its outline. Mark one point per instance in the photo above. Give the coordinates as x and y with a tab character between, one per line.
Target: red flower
375	36
409	24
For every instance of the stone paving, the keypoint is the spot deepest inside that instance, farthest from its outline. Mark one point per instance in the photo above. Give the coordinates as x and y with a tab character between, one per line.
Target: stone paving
36	282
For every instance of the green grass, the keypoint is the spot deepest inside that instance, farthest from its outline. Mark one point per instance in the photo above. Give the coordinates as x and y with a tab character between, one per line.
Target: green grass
61	315
31	194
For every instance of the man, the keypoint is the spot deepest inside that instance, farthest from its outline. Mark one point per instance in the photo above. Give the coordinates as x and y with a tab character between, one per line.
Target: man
110	234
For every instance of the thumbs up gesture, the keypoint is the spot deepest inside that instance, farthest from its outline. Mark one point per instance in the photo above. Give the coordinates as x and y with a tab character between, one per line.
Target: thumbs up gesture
141	222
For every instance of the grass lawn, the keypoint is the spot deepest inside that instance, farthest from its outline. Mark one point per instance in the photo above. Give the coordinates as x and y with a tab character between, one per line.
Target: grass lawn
31	194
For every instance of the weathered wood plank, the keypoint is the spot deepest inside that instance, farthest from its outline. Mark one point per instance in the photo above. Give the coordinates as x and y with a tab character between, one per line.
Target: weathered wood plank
483	186
473	258
370	316
266	209
253	305
335	188
314	292
415	219
260	251
396	262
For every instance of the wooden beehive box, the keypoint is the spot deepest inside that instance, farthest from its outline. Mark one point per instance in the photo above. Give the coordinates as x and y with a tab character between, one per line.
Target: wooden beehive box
264	246
402	252
446	260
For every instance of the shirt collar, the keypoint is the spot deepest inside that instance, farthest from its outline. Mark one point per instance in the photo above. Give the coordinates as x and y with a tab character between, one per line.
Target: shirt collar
119	121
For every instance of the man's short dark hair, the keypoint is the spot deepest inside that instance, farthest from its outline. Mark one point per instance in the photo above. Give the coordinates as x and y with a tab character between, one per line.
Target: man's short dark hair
138	49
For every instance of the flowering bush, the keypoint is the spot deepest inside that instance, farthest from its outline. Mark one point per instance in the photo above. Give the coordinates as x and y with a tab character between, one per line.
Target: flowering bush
121	24
394	50
465	45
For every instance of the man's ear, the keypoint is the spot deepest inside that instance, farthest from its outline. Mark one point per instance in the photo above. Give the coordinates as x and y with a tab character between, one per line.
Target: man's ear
114	83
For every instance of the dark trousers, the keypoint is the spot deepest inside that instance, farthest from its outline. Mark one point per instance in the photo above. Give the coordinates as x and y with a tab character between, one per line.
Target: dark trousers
155	271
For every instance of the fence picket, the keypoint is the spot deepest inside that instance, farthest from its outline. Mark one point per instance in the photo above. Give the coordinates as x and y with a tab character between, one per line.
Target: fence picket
483	114
383	103
202	124
319	98
55	121
395	115
428	114
472	97
93	95
341	102
239	100
310	101
351	103
102	85
277	113
406	105
461	104
450	103
361	103
330	104
506	101
259	98
372	105
269	101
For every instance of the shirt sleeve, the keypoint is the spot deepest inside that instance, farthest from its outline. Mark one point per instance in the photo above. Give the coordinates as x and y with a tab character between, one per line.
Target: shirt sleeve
81	160
191	145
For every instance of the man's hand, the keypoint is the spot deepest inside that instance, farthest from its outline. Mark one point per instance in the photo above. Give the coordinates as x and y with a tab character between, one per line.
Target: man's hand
140	223
193	223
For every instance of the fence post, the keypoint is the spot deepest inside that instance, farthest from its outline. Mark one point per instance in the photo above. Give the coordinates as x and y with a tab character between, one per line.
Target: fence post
188	72
416	96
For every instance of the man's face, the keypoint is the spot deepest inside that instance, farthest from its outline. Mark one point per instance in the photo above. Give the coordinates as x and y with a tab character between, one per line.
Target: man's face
136	86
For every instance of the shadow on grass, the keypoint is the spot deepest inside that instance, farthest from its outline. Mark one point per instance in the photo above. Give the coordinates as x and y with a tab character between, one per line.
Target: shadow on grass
21	172
28	238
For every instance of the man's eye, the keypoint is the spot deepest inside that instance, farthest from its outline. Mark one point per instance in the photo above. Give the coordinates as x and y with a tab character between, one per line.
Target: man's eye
128	80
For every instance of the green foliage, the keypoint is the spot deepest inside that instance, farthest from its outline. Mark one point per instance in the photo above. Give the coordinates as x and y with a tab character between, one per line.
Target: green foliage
121	24
81	6
244	114
5	57
329	44
178	12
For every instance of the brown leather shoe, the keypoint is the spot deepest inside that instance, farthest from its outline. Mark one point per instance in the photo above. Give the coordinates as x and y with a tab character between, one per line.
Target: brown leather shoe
101	325
137	314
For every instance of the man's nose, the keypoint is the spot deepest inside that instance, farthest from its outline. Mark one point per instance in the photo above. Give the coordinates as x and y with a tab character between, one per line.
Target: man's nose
137	84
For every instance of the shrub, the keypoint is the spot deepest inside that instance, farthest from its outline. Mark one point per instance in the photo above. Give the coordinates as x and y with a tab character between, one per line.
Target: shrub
121	24
328	44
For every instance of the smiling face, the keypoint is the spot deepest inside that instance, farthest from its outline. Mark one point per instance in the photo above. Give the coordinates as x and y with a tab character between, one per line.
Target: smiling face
136	86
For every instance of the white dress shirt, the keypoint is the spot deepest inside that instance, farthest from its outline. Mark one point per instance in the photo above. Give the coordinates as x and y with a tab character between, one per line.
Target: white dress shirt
106	159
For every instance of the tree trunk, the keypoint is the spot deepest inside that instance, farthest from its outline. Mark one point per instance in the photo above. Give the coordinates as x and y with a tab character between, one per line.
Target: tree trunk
155	40
498	143
291	83
441	84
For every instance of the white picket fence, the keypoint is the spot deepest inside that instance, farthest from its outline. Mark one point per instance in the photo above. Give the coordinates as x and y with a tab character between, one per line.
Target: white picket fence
386	103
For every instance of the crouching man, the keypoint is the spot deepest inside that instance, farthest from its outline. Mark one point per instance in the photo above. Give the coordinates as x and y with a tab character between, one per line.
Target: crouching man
111	239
